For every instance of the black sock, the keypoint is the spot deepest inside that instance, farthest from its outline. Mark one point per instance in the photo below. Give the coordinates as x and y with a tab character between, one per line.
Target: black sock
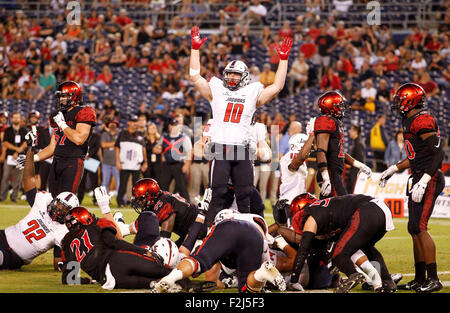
420	272
432	270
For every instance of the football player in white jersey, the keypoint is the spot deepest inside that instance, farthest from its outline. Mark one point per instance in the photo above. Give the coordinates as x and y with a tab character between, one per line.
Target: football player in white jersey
233	102
42	228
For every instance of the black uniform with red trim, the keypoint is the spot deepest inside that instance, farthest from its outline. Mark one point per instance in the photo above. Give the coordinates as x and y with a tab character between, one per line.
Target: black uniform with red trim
355	222
421	161
68	158
95	246
166	205
335	151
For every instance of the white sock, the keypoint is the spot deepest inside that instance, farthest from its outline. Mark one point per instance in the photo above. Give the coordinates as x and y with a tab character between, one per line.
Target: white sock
174	276
372	272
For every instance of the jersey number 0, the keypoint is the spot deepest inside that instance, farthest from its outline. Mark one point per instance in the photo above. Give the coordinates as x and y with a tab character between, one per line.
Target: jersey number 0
233	112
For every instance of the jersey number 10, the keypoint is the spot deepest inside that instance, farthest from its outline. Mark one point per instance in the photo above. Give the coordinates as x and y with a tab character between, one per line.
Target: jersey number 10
233	112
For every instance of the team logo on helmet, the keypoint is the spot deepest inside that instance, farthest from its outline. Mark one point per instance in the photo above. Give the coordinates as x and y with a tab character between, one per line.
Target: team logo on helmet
407	97
332	103
59	206
144	194
68	94
168	251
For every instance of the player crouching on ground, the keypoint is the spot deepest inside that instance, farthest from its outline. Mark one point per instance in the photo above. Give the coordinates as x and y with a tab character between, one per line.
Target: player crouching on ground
359	221
235	236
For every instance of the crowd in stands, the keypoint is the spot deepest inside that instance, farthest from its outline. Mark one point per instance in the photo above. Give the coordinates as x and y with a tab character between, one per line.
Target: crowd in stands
365	62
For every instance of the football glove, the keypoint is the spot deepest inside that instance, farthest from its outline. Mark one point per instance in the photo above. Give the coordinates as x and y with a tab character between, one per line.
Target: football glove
31	137
325	190
60	120
387	174
285	48
203	204
102	197
310	126
418	190
279	242
363	168
196	41
20	162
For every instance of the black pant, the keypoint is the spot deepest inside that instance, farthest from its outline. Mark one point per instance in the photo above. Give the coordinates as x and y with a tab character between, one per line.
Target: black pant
65	175
240	171
43	168
11	260
173	171
124	175
83	187
132	270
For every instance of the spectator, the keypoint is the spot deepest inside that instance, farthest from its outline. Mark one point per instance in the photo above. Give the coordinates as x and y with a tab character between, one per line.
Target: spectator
358	152
298	74
35	91
267	76
107	142
255	14
348	90
369	94
383	92
87	76
92	102
171	93
59	45
48	79
153	146
419	62
199	177
395	151
308	48
109	110
131	158
118	57
286	30
104	78
429	86
330	81
74	73
177	149
255	74
15	144
325	45
378	143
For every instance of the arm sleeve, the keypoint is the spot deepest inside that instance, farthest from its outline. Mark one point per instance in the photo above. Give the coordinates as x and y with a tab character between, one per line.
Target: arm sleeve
110	239
302	254
31	196
434	145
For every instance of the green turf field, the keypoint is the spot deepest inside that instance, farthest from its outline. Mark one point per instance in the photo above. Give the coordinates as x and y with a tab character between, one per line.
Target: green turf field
39	276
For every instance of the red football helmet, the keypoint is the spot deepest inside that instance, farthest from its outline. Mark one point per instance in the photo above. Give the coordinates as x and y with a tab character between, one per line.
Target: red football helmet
407	97
332	103
145	193
68	94
79	216
299	202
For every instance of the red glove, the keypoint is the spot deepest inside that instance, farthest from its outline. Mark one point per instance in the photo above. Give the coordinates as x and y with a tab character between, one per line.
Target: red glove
285	48
196	41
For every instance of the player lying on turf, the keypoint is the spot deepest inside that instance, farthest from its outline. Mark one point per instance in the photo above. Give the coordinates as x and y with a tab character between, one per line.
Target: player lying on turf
43	227
237	238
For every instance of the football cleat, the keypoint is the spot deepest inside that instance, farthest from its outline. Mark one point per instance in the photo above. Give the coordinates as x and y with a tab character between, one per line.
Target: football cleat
412	285
206	286
395	278
388	286
430	285
352	281
161	287
272	275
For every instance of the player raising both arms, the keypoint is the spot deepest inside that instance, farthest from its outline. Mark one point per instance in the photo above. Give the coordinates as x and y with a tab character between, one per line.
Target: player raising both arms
330	145
424	156
233	102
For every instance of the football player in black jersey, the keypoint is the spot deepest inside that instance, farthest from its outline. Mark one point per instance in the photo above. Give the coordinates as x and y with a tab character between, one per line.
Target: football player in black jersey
92	244
424	153
73	124
330	145
357	222
158	208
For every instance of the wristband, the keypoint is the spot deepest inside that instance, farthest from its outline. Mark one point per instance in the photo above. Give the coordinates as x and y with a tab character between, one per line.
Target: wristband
36	158
193	72
357	164
325	175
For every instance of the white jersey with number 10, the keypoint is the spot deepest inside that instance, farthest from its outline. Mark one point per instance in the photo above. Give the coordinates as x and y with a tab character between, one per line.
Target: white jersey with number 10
232	111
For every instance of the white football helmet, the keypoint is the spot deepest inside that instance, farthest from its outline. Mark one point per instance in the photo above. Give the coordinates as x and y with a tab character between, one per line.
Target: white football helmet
168	250
68	200
296	142
224	215
239	67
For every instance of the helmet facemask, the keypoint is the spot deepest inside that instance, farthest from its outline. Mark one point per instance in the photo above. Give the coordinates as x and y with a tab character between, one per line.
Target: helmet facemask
57	210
